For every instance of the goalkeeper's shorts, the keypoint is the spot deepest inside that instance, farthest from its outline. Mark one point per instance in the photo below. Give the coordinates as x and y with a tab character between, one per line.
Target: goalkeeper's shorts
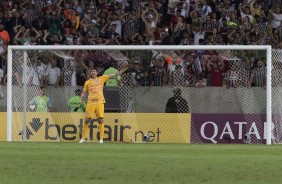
94	110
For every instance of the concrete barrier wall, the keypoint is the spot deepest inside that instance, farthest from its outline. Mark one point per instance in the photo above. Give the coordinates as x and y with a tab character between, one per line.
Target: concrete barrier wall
153	99
203	100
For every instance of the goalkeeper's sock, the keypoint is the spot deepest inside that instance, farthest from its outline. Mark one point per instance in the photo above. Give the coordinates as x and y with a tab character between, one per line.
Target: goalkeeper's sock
84	130
101	128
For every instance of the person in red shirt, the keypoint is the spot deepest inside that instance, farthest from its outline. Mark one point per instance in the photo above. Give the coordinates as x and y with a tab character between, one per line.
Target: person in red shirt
174	19
4	34
215	67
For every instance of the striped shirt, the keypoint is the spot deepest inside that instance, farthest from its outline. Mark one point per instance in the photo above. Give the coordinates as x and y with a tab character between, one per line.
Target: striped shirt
177	77
31	16
130	28
259	75
157	75
232	78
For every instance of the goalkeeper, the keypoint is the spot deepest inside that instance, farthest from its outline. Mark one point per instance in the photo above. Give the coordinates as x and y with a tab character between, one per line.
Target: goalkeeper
95	102
74	103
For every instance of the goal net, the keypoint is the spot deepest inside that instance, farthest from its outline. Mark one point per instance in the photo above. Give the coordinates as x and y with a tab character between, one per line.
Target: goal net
228	89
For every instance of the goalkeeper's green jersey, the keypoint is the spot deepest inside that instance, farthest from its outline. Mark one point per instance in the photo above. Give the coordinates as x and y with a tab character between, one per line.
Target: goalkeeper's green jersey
74	102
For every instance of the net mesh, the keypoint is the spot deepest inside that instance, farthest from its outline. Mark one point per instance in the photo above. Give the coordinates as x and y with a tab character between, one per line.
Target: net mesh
276	95
241	91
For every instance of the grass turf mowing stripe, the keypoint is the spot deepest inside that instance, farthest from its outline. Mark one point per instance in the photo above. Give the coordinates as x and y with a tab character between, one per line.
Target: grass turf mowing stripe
118	163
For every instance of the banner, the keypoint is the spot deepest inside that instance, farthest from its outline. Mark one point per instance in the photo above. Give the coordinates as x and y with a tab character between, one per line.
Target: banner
119	127
227	128
3	126
131	127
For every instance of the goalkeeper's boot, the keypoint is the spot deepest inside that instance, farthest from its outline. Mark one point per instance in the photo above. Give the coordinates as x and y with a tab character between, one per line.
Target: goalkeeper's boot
82	141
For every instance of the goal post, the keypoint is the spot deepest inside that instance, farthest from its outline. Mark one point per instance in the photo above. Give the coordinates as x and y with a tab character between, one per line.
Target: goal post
158	48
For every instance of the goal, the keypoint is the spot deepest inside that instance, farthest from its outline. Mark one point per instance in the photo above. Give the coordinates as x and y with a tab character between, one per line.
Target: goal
244	108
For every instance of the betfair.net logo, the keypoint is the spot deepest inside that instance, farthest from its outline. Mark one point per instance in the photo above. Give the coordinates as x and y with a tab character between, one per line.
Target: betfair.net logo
44	130
51	131
33	126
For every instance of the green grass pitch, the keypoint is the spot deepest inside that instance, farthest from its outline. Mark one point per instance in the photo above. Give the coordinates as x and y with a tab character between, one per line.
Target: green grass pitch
121	163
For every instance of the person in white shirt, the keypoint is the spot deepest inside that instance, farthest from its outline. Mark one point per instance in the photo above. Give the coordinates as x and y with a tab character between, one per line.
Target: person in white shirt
206	8
277	18
118	22
199	33
245	11
39	73
53	74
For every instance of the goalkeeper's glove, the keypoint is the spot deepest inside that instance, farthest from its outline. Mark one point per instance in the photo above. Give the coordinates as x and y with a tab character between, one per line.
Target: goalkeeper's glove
77	107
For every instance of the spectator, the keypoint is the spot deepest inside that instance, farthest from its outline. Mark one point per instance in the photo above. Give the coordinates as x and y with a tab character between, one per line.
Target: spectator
245	11
68	31
236	76
3	47
175	19
233	22
111	36
26	72
246	26
150	22
223	15
53	73
157	73
53	39
194	20
190	71
27	36
145	80
71	15
208	24
178	30
100	65
277	18
15	19
138	39
117	21
4	34
131	26
40	69
215	67
54	23
199	33
224	30
258	74
255	8
206	9
202	80
177	104
68	73
40	25
128	22
176	77
237	39
29	12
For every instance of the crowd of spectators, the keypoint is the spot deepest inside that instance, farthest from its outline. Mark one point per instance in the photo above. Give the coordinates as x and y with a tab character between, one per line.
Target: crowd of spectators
158	22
